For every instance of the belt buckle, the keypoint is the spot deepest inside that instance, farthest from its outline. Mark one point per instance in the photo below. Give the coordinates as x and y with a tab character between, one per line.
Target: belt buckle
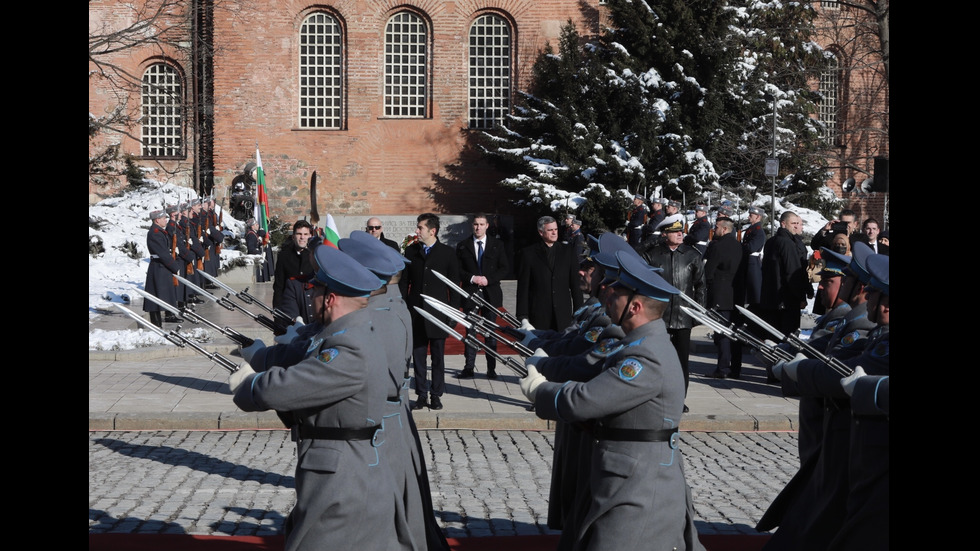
673	440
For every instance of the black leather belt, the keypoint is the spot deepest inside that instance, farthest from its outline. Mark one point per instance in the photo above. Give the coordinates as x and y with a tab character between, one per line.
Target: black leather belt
633	435
307	432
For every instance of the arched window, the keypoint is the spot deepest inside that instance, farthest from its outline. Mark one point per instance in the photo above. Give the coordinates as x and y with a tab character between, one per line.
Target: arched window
490	71
162	104
321	73
829	107
406	60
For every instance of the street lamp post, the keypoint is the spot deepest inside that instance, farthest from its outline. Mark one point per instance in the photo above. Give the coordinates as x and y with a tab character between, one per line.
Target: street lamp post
772	168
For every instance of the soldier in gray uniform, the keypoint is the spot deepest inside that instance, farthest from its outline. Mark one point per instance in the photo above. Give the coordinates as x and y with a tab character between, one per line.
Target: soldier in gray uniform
637	496
345	495
391	318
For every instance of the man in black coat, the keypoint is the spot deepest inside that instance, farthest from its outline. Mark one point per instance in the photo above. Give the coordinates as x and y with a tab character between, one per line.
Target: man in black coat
547	281
375	229
482	264
699	234
723	260
784	279
292	290
428	254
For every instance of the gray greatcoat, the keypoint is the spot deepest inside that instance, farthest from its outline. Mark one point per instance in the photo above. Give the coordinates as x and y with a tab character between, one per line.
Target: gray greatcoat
637	497
345	495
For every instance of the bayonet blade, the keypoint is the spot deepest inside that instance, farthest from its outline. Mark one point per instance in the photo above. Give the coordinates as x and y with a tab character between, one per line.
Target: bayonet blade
159	302
218	282
314	214
197	289
439	323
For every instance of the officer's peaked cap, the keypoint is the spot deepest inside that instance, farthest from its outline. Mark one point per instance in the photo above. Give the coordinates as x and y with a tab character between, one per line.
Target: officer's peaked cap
341	274
636	274
370	255
878	268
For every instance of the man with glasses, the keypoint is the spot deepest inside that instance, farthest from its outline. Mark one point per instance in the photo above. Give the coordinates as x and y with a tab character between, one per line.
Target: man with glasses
376	230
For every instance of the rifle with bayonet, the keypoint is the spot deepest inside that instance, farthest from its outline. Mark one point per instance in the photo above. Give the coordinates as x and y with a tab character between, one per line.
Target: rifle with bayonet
718	323
477	323
272	325
475	297
799	344
180	340
194	317
280	316
509	361
770	353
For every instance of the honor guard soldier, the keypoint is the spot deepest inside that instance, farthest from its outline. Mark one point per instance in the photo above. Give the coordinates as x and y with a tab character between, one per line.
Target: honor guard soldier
700	231
345	494
636	218
637	492
415	522
160	273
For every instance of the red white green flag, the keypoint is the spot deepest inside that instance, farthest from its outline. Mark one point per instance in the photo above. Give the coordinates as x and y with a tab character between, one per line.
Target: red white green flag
261	199
330	234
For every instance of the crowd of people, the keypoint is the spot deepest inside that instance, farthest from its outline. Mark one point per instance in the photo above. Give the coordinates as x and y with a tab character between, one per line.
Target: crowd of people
608	322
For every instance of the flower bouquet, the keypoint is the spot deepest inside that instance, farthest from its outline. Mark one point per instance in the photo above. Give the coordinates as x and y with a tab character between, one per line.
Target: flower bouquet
409	240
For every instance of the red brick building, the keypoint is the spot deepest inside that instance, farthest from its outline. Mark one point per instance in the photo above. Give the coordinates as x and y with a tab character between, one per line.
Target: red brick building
380	98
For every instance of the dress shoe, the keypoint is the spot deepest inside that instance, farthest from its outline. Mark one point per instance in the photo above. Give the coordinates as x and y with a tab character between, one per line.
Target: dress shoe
686	409
718	374
491	374
173	319
420	403
466	373
735	375
196	300
435	403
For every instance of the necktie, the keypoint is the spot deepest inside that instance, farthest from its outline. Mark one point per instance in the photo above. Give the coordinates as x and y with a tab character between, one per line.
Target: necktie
479	255
425	250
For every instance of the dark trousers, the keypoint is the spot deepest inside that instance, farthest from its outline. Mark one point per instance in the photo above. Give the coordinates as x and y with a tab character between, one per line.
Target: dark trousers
437	384
729	351
681	339
469	353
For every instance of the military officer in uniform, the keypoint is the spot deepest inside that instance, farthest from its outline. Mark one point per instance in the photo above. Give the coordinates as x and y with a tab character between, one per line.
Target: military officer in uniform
749	284
345	494
699	234
636	218
637	492
160	273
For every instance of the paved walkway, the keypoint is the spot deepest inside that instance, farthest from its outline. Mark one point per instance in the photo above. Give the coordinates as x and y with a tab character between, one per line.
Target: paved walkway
170	388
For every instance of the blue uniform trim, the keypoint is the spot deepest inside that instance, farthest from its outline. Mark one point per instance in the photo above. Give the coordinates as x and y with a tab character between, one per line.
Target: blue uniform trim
878	384
556	399
672	443
375	443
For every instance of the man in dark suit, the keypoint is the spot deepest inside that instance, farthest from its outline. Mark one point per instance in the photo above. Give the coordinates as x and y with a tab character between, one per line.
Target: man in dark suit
482	264
872	229
723	260
547	281
426	255
375	228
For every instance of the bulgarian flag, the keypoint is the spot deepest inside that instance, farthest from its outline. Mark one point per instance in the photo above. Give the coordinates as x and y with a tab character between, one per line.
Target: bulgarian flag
261	199
330	234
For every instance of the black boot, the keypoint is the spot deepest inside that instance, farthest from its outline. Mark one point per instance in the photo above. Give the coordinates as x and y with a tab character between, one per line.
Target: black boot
156	318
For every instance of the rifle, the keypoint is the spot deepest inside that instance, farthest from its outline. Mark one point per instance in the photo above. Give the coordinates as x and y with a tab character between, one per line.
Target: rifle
718	323
475	296
772	354
194	317
280	316
276	327
481	325
173	250
509	361
221	218
799	344
180	340
200	262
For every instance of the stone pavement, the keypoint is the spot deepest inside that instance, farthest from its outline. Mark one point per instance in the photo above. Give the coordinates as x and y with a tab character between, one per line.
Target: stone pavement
168	387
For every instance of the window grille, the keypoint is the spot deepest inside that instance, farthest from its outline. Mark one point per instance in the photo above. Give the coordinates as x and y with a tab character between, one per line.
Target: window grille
828	108
406	58
490	71
320	73
162	129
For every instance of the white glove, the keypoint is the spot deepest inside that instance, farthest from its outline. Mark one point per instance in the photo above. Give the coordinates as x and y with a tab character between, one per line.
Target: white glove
290	334
789	368
528	337
249	351
238	377
526	325
530	383
851	380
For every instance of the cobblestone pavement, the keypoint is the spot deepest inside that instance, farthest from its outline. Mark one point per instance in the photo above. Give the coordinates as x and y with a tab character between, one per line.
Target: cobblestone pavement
484	483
